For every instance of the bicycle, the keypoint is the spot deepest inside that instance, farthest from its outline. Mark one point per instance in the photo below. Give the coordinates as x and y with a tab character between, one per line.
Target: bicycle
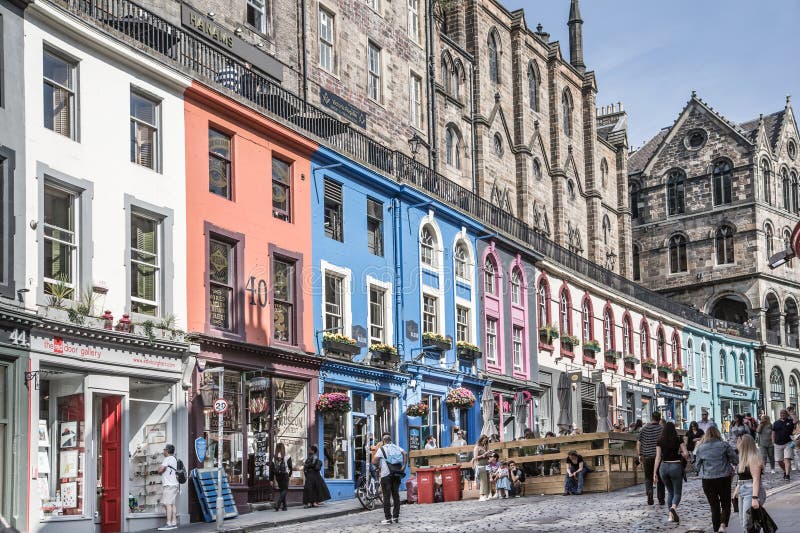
368	490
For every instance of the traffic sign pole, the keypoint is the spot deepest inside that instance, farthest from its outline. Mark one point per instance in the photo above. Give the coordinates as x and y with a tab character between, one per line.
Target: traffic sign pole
220	501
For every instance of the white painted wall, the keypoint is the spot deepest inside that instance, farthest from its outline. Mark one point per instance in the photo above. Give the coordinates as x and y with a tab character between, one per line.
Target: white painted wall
106	72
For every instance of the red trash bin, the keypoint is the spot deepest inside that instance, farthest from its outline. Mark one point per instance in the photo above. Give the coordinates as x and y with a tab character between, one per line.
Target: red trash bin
425	485
451	482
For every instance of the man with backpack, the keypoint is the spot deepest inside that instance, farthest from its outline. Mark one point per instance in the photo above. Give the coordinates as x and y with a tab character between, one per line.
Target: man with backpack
173	474
392	460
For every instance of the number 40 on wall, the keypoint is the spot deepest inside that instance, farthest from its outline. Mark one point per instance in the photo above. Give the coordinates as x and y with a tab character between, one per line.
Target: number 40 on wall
258	291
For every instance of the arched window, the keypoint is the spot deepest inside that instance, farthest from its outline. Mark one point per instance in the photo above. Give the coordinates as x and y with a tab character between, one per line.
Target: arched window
544	300
604	172
785	189
490	277
564	306
644	341
677	254
498	144
458	75
566	112
724	244
722	176
766	177
676	350
637	273
446	75
703	363
769	236
494	75
634	193
723	366
742	369
461	256
776	383
793	179
793	392
690	359
537	169
606	229
452	147
516	286
676	191
627	335
661	346
587	319
608	330
533	88
427	247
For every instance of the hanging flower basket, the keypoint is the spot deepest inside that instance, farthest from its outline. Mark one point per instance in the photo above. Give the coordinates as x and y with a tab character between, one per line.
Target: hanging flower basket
460	398
548	333
333	402
418	409
434	340
569	340
337	344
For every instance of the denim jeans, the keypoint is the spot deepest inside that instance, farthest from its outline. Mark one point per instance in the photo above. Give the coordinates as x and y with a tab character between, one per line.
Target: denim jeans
390	485
672	476
574	485
746	498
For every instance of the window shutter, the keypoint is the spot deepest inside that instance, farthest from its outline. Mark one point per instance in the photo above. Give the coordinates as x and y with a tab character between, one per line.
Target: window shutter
374	209
333	191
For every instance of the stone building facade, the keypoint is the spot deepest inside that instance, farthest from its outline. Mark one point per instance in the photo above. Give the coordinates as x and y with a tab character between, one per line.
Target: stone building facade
712	201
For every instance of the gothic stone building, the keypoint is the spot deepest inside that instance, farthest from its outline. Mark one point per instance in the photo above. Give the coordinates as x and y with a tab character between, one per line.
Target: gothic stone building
711	202
495	105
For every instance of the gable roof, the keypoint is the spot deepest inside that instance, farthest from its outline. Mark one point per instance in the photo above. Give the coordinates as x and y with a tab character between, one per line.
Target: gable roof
772	124
639	159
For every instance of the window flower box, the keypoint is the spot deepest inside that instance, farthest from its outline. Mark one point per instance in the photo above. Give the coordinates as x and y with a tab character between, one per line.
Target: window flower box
569	341
664	368
611	359
383	355
467	351
591	346
340	345
678	372
548	333
630	369
631	359
649	364
437	342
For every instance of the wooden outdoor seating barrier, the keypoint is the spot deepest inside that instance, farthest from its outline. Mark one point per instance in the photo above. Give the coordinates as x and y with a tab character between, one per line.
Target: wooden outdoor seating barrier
611	455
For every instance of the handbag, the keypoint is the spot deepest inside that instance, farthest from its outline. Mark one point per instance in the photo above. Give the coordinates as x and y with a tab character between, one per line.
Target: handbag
759	520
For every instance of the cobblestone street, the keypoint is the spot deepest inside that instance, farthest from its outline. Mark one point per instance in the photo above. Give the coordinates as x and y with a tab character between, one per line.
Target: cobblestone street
623	511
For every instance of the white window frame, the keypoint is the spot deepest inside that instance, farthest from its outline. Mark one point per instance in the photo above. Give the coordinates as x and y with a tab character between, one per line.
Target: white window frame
71	91
704	364
690	364
346	276
261	7
723	366
374	5
415	100
327	37
492	341
386	287
462	264
466	326
155	126
75	245
741	369
518	351
413	19
374	72
431	246
158	303
516	287
435	315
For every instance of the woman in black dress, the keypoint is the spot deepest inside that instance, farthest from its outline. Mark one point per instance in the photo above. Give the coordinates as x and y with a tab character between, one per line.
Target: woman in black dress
315	490
281	471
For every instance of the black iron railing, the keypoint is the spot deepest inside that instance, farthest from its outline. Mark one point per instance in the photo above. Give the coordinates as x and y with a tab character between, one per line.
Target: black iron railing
157	36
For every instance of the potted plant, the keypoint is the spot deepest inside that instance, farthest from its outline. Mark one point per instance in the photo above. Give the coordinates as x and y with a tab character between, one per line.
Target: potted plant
591	346
467	351
382	352
460	398
340	345
570	341
333	402
548	333
436	341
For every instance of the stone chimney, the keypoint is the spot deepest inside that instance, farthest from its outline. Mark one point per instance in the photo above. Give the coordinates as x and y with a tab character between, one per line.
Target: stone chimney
576	37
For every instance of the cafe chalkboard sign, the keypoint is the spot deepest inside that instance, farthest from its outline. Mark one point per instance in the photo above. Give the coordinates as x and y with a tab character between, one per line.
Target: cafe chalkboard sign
261	456
414	438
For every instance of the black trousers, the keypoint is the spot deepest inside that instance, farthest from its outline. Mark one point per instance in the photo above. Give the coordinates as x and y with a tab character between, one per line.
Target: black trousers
390	485
718	493
648	463
283	487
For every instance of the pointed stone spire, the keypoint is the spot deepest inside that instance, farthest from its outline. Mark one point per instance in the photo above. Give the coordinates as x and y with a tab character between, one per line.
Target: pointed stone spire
576	36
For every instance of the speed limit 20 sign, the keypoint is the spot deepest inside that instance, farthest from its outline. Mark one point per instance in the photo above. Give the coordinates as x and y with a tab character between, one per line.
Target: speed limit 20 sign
220	405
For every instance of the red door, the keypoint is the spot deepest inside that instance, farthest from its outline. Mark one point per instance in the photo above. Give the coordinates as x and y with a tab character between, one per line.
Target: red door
111	476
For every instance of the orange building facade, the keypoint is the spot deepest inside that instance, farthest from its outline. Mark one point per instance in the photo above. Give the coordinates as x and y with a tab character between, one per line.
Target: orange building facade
248	252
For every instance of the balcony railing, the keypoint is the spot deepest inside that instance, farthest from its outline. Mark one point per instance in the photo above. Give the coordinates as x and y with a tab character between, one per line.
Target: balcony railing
773	337
149	32
792	340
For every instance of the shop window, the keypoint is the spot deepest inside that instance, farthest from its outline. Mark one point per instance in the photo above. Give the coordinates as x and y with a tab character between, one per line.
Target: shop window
291	419
232	436
61	460
335	441
150	429
283	318
3	422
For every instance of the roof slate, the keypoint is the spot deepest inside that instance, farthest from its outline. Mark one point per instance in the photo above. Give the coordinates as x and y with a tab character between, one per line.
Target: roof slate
639	159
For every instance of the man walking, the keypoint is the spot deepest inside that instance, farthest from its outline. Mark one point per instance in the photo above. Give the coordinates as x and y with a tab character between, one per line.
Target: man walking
170	486
392	459
782	440
646	449
705	423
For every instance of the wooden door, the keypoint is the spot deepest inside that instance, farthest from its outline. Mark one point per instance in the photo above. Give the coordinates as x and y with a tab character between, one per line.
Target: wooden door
111	475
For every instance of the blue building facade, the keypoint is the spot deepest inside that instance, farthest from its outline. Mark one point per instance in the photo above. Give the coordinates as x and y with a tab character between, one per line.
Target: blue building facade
393	282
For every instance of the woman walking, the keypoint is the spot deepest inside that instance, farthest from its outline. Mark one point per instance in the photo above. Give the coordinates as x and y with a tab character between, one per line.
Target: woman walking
713	460
480	458
281	471
765	444
315	491
669	450
738	428
751	490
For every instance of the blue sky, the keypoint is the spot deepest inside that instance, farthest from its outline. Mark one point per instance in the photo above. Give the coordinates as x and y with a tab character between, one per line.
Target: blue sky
741	56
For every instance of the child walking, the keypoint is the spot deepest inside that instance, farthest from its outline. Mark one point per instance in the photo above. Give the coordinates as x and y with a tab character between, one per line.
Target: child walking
503	483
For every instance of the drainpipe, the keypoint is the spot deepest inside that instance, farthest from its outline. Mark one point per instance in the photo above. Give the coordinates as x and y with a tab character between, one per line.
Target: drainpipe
397	228
432	152
304	33
472	119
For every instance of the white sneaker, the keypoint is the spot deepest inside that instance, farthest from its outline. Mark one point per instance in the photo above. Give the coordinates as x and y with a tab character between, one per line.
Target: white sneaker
387	521
482	499
772	471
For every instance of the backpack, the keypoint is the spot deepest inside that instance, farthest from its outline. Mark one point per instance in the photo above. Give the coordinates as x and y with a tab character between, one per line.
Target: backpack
394	460
180	472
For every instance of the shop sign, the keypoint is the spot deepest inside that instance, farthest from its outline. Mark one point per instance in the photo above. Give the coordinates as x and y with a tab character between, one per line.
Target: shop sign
228	41
75	350
638	388
414	438
200	448
370	407
373	382
360	335
260	457
18	337
412	330
344	108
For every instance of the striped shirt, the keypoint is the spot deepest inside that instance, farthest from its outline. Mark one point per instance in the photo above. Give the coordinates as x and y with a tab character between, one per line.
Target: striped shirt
648	438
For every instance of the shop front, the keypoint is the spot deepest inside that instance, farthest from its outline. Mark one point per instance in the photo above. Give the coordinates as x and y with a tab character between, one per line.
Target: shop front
735	400
638	402
270	394
103	407
15	331
672	403
375	398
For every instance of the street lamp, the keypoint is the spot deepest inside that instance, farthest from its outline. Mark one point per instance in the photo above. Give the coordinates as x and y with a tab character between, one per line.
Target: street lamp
206	393
415	143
